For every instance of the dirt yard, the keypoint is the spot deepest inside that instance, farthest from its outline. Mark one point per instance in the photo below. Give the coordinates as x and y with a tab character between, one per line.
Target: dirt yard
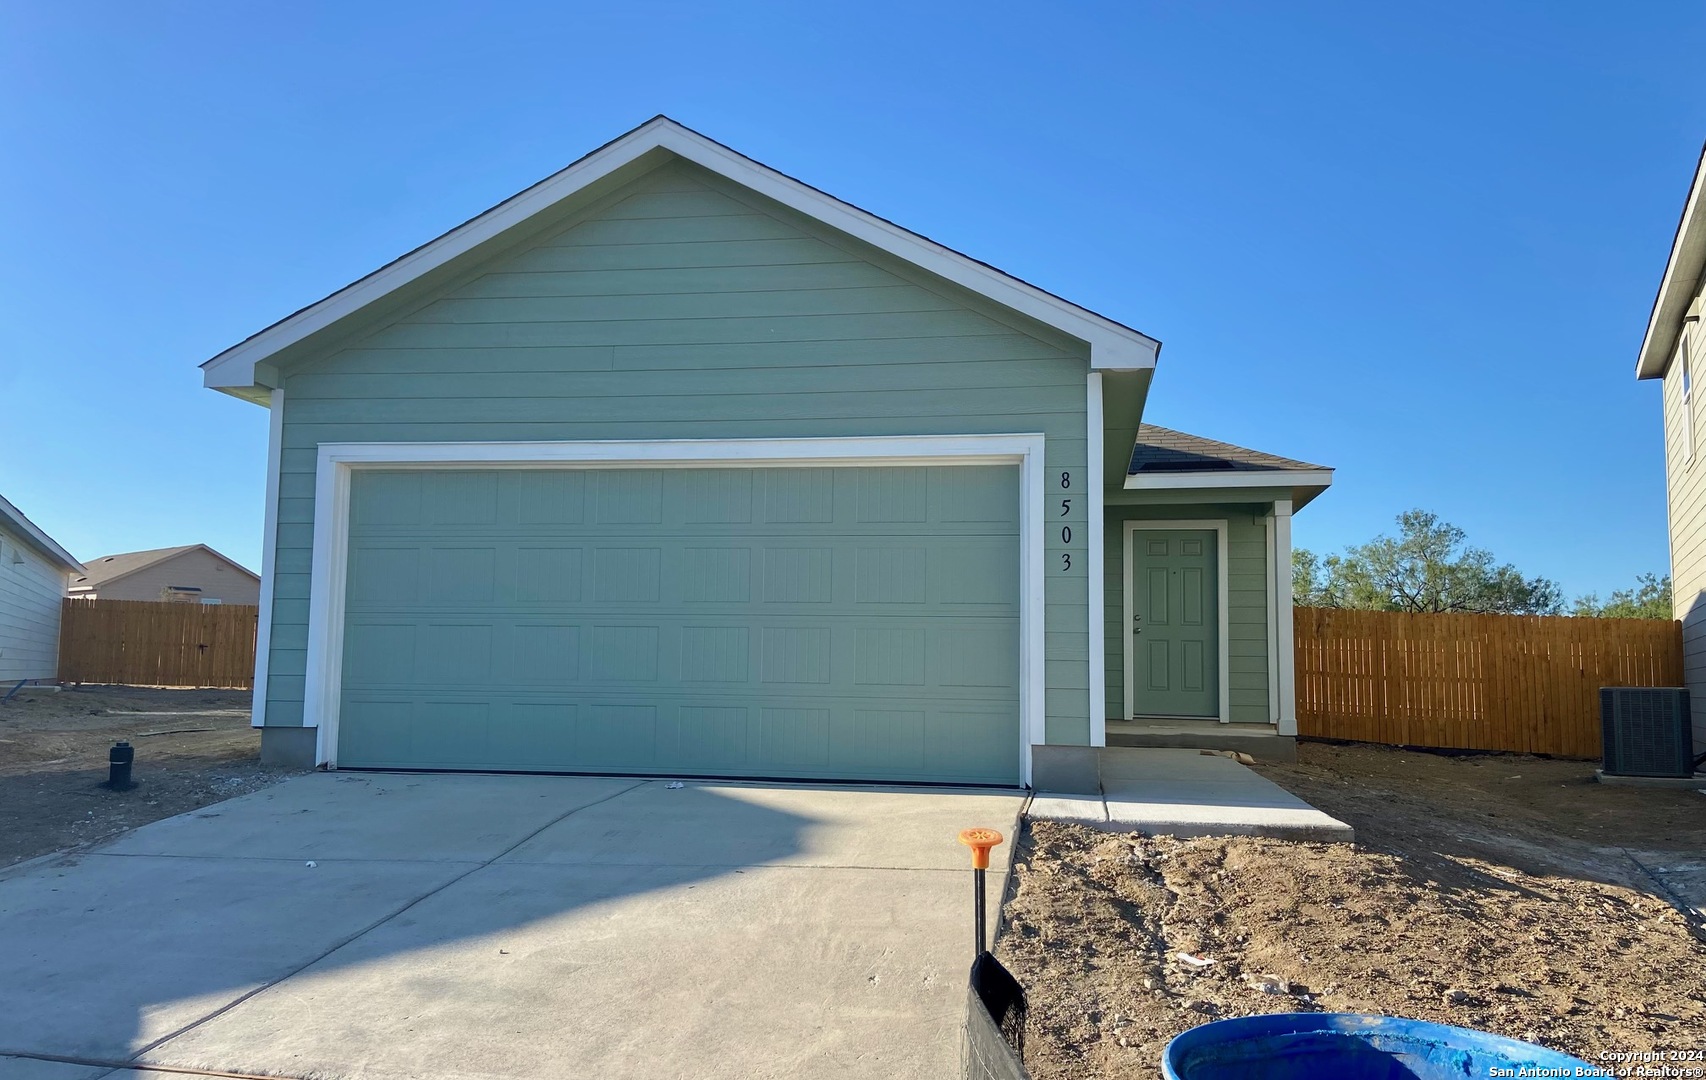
193	747
1495	891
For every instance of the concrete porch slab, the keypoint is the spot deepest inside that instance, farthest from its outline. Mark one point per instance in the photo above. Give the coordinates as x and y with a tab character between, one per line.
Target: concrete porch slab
1189	793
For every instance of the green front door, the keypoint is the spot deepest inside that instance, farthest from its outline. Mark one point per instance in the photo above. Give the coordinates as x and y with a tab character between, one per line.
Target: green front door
1175	616
829	623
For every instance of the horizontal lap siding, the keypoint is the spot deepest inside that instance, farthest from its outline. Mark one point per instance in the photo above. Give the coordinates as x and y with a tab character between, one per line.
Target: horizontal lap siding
1686	497
686	308
31	592
1247	603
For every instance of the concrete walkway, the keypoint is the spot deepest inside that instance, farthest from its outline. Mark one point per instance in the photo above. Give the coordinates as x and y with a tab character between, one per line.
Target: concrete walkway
393	925
1189	793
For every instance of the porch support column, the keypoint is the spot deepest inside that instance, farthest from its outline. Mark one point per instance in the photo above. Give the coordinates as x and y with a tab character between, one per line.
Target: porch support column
1272	604
1287	682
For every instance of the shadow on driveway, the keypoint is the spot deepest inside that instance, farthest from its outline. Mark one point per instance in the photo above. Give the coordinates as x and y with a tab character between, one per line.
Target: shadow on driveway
513	926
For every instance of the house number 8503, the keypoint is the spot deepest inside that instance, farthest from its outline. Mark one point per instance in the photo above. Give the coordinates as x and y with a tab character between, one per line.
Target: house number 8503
1065	530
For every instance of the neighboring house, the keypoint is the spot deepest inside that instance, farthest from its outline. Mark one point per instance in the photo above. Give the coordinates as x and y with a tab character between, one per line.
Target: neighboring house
672	464
34	573
1674	349
193	573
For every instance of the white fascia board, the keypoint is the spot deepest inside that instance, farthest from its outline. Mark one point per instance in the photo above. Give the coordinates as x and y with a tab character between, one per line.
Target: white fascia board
1680	284
43	543
1237	478
1113	347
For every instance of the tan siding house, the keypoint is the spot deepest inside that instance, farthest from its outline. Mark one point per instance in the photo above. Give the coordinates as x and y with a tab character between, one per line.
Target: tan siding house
1673	351
194	573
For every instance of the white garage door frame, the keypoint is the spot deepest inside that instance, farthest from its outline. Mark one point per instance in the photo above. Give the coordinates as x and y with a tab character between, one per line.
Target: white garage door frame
323	682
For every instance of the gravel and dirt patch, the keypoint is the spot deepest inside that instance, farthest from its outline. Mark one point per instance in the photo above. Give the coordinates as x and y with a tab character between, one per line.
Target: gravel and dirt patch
1496	891
193	747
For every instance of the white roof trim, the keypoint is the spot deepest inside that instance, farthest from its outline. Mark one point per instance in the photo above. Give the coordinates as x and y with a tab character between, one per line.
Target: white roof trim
1233	478
15	520
1680	283
1113	347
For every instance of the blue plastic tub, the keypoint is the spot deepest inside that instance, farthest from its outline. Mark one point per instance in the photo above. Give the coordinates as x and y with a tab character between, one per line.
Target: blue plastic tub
1351	1046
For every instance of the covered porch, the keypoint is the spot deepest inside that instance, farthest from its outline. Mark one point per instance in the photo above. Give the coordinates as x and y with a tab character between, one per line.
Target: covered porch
1196	594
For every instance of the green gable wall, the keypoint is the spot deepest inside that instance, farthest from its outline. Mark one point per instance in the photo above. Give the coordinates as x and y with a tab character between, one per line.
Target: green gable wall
1247	601
686	307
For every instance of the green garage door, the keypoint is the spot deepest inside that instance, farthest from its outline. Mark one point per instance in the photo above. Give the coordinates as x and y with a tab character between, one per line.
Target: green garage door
835	623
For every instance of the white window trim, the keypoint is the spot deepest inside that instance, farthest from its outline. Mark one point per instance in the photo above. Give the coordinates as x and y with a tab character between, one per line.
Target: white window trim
324	671
1685	376
1223	607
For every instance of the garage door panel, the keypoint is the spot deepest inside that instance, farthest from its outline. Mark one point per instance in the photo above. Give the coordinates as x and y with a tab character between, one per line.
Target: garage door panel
711	496
835	623
554	575
622	654
611	735
968	743
798	496
887	656
545	497
935	659
887	739
379	653
547	653
712	737
532	731
627	497
716	575
716	654
388	574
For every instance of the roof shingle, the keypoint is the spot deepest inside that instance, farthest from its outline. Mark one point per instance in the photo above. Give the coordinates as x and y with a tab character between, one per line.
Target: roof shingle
1159	450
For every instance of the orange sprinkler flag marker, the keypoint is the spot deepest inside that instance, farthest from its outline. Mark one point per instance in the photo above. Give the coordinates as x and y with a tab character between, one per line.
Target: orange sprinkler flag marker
980	841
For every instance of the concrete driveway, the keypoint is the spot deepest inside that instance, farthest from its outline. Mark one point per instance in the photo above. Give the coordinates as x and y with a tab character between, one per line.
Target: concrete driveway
504	926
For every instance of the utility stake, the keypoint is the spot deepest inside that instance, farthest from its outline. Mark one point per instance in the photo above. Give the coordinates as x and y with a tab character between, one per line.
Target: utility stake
980	841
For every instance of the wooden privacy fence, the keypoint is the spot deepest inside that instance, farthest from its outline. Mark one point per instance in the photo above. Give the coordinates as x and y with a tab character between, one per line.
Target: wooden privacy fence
153	643
1525	683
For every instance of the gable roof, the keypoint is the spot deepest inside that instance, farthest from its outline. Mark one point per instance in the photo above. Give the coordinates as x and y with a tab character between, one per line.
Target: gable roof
1160	449
243	368
1167	460
31	533
109	568
1680	283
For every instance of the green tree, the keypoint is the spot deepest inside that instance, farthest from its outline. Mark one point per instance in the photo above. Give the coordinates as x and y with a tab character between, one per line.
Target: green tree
1426	567
1649	599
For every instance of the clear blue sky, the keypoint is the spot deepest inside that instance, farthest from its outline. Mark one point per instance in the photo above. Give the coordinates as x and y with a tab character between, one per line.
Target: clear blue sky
1415	242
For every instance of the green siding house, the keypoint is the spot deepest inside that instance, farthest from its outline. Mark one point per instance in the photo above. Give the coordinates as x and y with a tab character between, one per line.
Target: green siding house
672	464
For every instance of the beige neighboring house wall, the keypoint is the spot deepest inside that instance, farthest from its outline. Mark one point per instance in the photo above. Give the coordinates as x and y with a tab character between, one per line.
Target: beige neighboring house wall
1674	351
195	566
